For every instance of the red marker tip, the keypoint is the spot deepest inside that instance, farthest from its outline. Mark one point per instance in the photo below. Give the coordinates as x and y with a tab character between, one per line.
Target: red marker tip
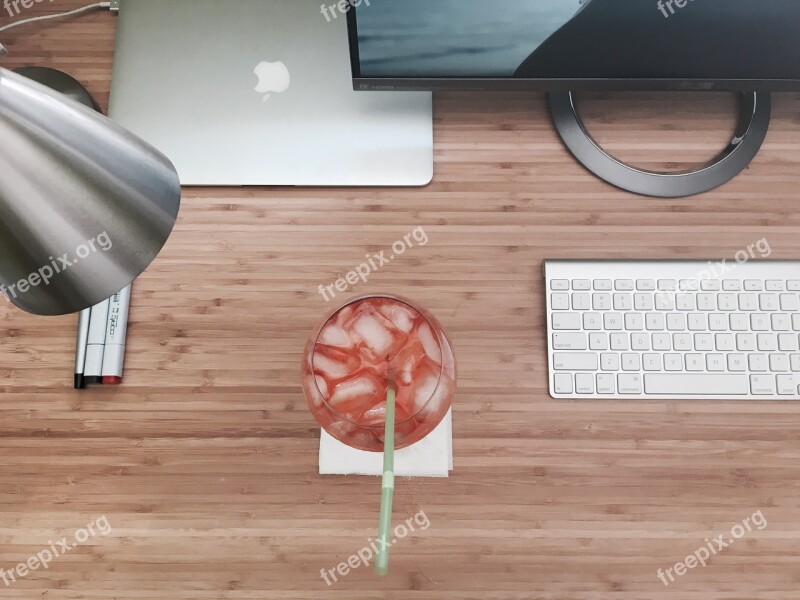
109	380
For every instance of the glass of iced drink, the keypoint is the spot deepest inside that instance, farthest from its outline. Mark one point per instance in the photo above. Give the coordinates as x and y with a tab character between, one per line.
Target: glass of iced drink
361	349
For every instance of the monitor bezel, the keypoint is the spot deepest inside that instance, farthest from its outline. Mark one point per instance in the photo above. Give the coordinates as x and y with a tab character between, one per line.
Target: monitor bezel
513	84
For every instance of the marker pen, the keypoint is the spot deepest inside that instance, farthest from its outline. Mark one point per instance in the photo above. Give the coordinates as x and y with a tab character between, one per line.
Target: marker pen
97	338
116	333
80	347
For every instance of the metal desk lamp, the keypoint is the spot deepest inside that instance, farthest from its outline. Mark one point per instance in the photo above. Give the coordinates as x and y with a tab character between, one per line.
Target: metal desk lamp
85	206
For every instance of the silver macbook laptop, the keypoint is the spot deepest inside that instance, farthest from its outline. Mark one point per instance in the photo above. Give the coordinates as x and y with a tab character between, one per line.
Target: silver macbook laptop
259	92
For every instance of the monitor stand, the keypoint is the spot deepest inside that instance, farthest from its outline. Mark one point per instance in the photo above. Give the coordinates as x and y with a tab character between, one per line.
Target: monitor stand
754	117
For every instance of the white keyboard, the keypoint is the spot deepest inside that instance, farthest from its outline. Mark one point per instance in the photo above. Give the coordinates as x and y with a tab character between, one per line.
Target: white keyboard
674	329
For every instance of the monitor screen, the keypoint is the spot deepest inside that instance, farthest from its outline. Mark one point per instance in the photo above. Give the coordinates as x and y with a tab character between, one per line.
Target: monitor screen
573	44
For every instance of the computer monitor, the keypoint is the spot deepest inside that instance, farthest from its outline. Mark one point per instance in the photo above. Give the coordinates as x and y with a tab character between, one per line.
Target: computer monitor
568	46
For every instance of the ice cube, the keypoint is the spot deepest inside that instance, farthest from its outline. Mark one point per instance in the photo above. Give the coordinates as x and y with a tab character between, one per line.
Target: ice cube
334	335
424	388
333	363
430	343
373	334
400	315
361	390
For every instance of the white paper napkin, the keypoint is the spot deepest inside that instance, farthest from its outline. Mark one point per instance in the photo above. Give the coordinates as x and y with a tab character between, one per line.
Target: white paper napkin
430	457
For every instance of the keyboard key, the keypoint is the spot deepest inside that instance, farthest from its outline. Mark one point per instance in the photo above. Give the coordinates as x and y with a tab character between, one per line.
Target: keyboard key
737	362
559	301
697	321
667	285
629	383
601	301
767	342
624	285
725	342
732	285
646	285
673	362
739	322
774	285
695	362
592	321
779	363
685	302
598	341
758	363
748	302
676	322
612	321
575	361
631	362
665	301
682	341
695	384
715	362
609	361
581	285
662	341
717	322
753	285
603	285
787	342
786	385
762	385
584	383
643	302
710	285
634	321
619	341
640	341
651	362
728	302
793	285
759	322
689	285
559	284
769	302
569	341
562	383
781	322
566	321
581	301
745	341
655	321
623	301
794	361
606	383
706	301
703	342
790	302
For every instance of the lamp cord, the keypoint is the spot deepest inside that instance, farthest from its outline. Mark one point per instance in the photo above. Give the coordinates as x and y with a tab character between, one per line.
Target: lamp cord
58	15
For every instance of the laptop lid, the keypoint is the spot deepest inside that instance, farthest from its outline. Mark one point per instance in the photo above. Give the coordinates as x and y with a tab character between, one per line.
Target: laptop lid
259	92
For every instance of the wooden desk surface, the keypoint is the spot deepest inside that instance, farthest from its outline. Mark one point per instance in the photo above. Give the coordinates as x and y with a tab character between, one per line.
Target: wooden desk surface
204	461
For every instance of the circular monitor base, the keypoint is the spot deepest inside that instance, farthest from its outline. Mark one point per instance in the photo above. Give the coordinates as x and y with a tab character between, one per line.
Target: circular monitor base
60	82
754	117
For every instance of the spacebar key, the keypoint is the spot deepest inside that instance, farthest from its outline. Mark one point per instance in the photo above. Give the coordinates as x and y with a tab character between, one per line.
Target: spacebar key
695	384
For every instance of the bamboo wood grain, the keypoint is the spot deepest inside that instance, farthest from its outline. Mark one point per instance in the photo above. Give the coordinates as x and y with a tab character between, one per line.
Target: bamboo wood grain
204	461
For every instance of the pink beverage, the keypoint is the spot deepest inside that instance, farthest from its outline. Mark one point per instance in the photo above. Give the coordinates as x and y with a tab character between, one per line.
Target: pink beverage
354	355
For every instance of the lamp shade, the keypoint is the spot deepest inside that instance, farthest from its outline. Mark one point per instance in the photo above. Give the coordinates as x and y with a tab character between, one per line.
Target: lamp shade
85	206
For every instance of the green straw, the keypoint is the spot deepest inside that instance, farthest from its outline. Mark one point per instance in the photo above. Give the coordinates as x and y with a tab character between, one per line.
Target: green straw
387	489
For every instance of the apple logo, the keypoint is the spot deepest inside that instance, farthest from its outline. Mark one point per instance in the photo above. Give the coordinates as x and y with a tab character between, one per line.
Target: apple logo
272	77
